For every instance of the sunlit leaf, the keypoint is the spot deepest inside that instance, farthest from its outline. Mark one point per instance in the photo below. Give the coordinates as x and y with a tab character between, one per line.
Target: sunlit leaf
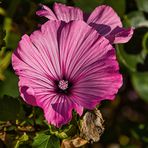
21	140
9	108
60	134
140	83
2	11
4	62
46	141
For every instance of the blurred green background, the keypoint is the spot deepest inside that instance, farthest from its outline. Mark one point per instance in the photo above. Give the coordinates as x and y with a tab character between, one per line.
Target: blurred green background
126	118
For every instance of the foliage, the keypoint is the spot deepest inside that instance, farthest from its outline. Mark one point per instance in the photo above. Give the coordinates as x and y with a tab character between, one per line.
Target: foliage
126	118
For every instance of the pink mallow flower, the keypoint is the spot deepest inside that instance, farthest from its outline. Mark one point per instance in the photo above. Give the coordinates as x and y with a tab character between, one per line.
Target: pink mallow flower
66	66
104	19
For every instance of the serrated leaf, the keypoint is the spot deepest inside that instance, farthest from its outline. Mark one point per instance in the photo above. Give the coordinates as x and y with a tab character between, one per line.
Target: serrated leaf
46	141
140	83
9	108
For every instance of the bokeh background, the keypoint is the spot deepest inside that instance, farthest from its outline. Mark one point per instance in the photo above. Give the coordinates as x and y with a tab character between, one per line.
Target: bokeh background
126	118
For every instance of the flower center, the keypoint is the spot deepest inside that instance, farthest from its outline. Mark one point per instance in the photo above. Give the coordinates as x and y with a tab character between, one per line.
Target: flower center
63	85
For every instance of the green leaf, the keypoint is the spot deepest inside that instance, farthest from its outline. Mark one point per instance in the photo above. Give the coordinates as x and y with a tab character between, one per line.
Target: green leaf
130	61
2	36
21	140
136	19
118	6
4	62
10	85
145	42
12	40
9	108
2	11
142	5
46	141
55	131
140	83
87	5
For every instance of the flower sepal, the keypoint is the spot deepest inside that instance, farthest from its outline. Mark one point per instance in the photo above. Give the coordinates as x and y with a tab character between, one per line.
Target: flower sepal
65	132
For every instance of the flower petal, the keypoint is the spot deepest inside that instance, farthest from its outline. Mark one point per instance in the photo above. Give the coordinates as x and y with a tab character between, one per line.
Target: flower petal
29	65
71	50
61	12
67	13
89	62
36	62
120	35
58	110
46	41
104	19
46	12
27	92
98	82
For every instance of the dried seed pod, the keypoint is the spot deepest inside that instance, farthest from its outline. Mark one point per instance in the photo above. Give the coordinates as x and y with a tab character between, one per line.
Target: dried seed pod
92	126
73	143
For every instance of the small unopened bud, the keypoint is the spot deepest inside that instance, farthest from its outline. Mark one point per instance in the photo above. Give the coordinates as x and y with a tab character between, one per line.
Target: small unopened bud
92	126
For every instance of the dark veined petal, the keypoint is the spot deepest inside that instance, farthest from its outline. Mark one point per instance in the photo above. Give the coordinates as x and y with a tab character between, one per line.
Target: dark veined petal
36	62
58	110
89	61
73	50
106	21
120	35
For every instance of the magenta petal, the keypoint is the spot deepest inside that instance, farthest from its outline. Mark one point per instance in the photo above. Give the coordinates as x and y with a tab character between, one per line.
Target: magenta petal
47	45
70	52
46	12
58	110
61	12
89	62
78	108
104	19
120	35
27	92
67	13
